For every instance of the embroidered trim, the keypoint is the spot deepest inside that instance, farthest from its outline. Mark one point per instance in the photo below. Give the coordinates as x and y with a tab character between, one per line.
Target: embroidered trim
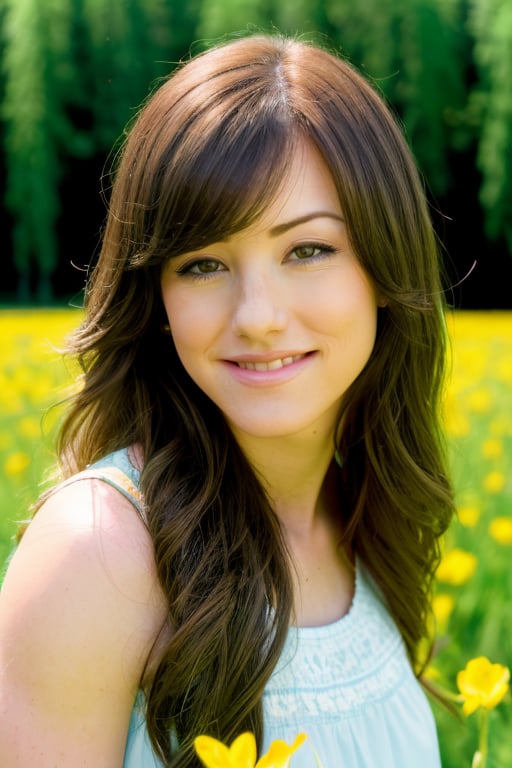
333	671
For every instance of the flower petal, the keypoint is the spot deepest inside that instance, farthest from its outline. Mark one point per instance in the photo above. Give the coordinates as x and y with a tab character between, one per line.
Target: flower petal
482	684
243	751
279	753
470	705
213	753
498	693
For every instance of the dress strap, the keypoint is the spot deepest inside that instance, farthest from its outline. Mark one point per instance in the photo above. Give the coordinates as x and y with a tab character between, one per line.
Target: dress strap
117	471
116	478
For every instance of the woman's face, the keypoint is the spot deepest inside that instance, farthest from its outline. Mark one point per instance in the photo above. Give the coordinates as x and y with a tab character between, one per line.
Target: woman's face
277	321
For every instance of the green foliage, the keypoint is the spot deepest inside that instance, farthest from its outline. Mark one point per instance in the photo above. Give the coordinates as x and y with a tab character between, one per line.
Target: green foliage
127	44
491	24
30	114
218	17
413	51
76	70
433	86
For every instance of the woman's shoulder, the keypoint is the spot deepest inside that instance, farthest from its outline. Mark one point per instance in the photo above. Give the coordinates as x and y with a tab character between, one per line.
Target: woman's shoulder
81	608
95	519
98	514
89	540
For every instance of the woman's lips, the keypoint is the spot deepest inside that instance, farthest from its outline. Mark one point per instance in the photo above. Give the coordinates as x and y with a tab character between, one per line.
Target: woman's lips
267	372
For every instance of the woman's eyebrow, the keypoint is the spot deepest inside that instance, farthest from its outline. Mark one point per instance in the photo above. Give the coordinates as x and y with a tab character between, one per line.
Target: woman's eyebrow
280	228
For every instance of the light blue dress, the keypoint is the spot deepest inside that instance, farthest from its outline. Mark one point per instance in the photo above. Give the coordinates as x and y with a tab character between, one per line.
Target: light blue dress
348	685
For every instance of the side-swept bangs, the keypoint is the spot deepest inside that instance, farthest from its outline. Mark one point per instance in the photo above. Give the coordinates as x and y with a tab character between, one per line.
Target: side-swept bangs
207	155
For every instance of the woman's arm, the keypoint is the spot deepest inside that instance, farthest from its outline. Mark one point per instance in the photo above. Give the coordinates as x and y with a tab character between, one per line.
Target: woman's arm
80	609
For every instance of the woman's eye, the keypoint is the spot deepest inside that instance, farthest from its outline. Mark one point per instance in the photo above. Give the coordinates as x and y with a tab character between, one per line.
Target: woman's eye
312	252
205	266
201	267
306	251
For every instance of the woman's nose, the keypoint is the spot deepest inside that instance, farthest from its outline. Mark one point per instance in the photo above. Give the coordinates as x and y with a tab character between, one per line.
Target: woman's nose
259	308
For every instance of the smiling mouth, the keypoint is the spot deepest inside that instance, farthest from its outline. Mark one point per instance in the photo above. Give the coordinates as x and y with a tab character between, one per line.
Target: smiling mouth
270	365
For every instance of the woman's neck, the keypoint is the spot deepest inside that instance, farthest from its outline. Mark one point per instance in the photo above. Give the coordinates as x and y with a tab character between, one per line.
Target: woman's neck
295	472
301	480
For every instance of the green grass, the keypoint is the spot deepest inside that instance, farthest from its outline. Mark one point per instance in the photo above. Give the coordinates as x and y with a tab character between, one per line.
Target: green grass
479	423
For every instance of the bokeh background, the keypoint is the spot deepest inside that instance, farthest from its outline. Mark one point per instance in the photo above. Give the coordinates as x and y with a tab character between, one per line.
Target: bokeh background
73	72
72	75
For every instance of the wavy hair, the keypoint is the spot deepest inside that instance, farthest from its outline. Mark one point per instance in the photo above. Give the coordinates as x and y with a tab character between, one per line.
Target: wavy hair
204	157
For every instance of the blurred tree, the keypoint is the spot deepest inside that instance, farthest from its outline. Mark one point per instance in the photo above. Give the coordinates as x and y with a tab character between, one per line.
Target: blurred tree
433	97
304	18
413	50
128	44
29	110
221	18
218	18
490	21
75	71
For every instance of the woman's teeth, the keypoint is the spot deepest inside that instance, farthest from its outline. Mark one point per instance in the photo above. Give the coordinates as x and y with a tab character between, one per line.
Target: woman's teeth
271	365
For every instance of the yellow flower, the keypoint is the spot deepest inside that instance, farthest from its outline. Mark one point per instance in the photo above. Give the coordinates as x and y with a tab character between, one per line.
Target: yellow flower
482	684
479	400
504	370
215	754
279	753
30	426
16	463
494	482
456	567
242	752
431	673
492	448
468	516
442	605
501	530
456	422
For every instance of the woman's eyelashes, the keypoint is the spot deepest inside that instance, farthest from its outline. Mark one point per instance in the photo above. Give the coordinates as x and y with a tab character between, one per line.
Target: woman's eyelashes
310	252
200	268
306	253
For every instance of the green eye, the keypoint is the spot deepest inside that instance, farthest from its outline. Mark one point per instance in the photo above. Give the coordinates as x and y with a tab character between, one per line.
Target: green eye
306	251
200	268
205	266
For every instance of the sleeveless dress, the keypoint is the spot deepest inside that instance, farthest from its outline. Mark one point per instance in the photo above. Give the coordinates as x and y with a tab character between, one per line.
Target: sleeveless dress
348	685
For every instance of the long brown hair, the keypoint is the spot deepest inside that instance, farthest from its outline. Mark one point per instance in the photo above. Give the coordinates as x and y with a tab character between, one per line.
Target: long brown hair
203	159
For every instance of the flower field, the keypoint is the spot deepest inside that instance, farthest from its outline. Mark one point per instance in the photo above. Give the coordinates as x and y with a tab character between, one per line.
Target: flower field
33	377
473	602
474	581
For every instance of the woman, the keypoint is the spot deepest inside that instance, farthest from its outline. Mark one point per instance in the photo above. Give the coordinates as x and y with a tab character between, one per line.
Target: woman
254	480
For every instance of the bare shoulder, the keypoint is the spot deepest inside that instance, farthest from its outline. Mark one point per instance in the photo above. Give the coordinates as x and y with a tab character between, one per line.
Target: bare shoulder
80	610
89	528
